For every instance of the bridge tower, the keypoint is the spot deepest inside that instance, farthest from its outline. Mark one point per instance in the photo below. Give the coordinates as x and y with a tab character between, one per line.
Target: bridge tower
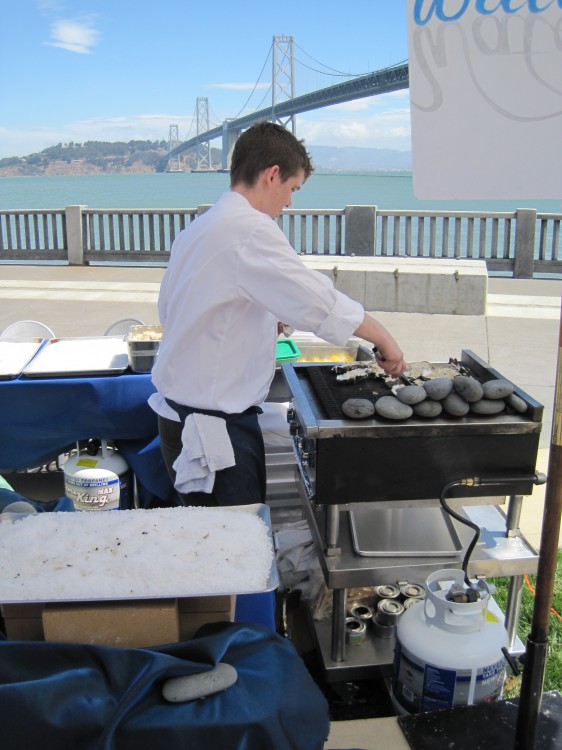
204	147
283	77
174	162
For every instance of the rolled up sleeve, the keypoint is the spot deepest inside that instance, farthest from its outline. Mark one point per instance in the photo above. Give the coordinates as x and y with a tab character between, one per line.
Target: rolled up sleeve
346	316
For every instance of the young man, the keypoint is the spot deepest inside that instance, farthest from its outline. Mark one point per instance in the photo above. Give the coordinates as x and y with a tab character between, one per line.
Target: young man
231	278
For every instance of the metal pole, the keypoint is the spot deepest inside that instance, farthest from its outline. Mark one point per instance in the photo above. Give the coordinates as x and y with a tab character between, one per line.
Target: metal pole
339	607
537	642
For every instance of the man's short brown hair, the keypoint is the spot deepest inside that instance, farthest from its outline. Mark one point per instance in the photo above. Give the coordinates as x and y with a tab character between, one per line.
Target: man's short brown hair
265	145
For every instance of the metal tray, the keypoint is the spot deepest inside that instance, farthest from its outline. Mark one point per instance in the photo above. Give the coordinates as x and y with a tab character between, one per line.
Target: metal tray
258	509
80	356
15	355
403	532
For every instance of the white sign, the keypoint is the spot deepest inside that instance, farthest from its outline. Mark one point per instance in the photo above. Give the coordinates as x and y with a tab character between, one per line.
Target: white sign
486	98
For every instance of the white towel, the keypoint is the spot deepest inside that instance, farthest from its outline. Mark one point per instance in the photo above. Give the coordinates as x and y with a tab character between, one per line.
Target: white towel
206	449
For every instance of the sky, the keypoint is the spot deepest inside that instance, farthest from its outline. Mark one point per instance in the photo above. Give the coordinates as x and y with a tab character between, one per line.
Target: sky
121	70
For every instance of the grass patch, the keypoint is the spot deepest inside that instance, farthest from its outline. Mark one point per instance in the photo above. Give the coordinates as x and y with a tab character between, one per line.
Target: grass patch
553	669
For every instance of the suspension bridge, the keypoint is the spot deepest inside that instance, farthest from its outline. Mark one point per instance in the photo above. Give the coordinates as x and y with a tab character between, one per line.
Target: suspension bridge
285	105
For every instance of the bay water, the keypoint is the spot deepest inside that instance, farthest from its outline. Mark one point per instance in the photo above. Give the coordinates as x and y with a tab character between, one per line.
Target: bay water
329	190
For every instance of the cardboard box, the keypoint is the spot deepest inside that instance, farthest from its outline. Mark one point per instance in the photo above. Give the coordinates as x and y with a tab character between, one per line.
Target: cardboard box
129	624
196	611
23	621
135	624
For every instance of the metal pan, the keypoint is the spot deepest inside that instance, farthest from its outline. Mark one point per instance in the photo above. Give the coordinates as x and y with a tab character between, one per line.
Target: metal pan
80	356
16	355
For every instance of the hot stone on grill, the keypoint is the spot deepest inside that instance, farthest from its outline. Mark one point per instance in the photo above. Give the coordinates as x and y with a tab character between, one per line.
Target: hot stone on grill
391	408
516	403
428	408
454	405
468	388
411	394
497	389
358	408
487	406
438	388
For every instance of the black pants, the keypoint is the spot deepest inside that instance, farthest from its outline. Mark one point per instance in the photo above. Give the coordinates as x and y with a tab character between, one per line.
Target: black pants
241	484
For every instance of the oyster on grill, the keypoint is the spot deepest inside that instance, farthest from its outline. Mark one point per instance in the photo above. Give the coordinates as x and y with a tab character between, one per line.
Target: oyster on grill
354	372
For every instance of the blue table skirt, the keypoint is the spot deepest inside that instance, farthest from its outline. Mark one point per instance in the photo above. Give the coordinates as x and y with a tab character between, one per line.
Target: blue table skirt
65	695
41	418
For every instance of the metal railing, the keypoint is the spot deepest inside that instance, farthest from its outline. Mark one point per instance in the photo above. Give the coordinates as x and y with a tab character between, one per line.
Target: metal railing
33	235
521	243
134	235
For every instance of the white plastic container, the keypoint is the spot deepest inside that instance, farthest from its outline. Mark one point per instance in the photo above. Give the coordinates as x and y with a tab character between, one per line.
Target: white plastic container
448	653
97	482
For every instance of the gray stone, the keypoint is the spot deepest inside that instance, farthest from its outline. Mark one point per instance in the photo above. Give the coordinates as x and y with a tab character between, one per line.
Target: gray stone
411	394
193	686
438	388
358	408
428	408
468	388
454	405
516	403
488	406
497	389
391	408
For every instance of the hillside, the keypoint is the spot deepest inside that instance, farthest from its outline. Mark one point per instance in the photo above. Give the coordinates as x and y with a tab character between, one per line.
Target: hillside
95	157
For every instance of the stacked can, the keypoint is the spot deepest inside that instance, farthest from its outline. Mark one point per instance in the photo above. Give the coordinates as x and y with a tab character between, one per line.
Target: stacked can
409	591
360	617
390	601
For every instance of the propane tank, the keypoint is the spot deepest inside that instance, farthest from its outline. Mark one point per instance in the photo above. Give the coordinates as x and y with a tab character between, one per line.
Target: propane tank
97	478
448	648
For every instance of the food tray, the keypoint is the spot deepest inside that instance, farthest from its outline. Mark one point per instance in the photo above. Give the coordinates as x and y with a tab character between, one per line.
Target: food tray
404	532
15	355
287	350
155	584
80	356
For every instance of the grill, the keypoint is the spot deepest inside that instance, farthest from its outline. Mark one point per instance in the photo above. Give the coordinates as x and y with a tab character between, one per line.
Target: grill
366	466
354	461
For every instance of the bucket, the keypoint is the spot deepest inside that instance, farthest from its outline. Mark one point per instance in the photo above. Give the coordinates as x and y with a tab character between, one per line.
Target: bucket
143	345
98	478
448	648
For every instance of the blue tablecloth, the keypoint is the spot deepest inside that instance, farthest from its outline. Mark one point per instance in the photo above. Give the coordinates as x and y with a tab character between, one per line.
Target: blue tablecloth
62	695
40	418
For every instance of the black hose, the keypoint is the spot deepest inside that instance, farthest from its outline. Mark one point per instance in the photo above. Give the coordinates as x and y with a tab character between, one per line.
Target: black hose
537	478
464	521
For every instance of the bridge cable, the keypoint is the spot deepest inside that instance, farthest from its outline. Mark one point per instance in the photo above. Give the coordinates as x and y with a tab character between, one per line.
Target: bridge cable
334	71
255	85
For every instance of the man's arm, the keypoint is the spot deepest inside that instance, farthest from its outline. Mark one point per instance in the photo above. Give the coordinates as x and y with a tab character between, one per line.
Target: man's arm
389	354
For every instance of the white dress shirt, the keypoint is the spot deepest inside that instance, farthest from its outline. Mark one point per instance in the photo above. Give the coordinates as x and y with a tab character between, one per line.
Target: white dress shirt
232	276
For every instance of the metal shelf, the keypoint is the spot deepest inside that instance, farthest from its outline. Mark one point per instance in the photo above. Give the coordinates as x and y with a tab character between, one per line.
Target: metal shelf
498	553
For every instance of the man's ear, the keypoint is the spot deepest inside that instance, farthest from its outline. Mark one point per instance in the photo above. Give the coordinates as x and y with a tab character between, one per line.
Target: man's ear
270	173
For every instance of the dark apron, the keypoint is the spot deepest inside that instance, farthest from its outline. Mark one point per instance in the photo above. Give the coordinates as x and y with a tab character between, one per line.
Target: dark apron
241	484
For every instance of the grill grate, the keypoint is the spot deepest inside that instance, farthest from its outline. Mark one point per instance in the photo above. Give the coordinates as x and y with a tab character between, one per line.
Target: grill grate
332	394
